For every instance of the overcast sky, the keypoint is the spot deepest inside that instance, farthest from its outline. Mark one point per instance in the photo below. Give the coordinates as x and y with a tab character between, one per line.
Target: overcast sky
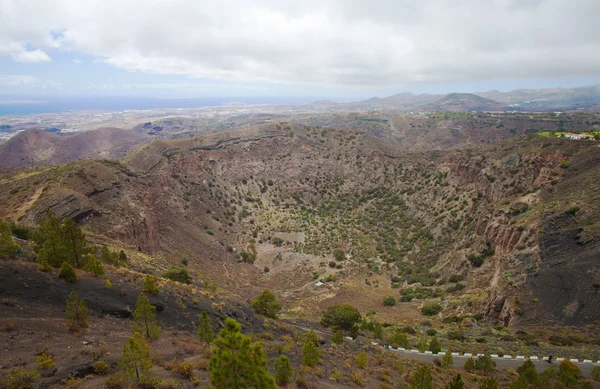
322	48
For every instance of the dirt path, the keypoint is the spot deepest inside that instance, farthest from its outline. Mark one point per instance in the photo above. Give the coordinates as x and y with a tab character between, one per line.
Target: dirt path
228	277
22	210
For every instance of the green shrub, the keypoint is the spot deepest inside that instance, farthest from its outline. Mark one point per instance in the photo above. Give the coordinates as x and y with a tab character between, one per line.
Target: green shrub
564	164
178	274
431	310
431	332
389	301
101	367
19	378
362	360
67	273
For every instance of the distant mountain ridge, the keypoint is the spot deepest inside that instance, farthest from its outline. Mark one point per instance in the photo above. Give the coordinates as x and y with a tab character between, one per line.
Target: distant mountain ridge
553	99
36	147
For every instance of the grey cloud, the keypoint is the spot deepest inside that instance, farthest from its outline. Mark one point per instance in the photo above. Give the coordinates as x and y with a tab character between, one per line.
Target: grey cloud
355	43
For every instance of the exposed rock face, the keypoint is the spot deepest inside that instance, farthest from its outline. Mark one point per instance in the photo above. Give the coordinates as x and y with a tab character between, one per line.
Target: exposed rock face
569	269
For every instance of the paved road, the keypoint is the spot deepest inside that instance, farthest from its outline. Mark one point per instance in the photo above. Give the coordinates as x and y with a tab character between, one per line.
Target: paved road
459	360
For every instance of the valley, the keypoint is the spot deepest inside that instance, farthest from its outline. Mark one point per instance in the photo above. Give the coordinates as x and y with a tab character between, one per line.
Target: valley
476	229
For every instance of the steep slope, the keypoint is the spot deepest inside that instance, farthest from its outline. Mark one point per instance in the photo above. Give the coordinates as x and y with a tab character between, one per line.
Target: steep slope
36	147
285	197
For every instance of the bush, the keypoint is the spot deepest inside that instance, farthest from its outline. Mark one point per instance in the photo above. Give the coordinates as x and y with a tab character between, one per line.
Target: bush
389	301
101	367
431	332
332	264
456	335
339	254
67	273
45	360
178	274
344	317
362	360
19	378
184	370
564	164
431	310
114	381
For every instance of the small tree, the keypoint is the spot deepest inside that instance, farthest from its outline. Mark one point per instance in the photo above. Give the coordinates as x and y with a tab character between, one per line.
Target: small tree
378	331
485	363
49	242
447	360
205	330
527	376
75	242
434	346
422	378
568	373
469	365
339	254
283	371
94	266
310	354
76	311
150	285
401	339
266	304
67	273
362	360
338	337
122	256
7	246
456	383
236	362
145	318
488	383
135	361
389	301
341	317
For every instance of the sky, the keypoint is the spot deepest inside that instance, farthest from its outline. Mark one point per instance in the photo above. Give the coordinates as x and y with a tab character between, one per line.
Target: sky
341	50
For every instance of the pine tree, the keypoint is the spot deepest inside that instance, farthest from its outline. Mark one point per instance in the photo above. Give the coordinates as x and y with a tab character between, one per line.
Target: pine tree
310	354
109	257
267	304
448	359
283	371
338	337
485	363
469	365
145	318
378	332
150	285
122	256
205	330
237	363
94	266
67	273
434	346
135	361
75	242
76	311
527	376
7	246
49	242
422	378
456	383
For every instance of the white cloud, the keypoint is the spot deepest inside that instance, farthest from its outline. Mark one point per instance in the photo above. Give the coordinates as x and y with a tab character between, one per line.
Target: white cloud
101	86
358	43
31	56
26	81
77	61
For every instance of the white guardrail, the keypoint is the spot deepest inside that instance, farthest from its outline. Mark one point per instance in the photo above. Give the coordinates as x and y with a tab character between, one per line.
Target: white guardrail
494	356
